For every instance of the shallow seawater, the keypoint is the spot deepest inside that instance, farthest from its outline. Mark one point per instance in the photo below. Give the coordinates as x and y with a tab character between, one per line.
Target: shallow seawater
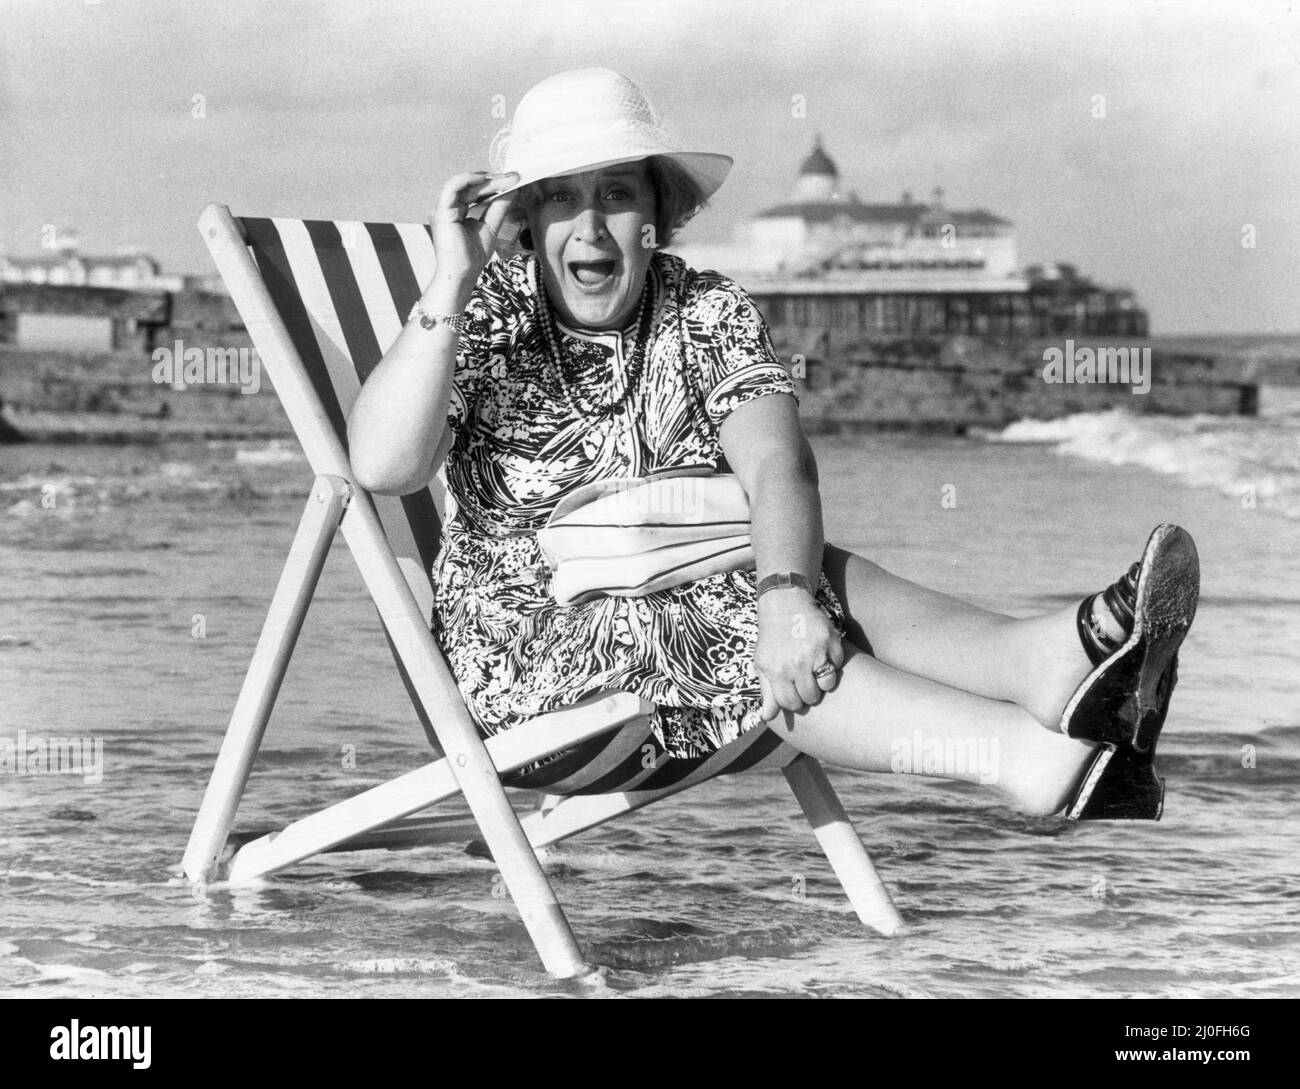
133	584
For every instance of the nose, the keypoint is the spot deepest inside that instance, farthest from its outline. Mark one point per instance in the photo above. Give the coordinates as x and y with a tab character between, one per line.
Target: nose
590	225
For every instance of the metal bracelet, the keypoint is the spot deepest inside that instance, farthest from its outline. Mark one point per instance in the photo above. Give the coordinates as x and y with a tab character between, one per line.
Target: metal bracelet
430	321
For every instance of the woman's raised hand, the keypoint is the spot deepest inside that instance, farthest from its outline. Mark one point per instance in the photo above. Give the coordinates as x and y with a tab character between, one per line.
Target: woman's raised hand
462	243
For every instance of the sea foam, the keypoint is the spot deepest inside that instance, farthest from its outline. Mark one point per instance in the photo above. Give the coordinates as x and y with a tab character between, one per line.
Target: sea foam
1256	460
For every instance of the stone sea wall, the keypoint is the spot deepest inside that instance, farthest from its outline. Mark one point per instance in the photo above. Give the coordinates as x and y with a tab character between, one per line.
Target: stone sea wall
51	396
947	384
953	384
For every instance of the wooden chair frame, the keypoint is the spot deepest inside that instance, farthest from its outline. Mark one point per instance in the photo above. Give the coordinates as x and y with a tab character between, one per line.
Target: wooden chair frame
467	765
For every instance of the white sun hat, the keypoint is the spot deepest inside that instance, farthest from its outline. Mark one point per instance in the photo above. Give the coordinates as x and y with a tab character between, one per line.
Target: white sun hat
589	118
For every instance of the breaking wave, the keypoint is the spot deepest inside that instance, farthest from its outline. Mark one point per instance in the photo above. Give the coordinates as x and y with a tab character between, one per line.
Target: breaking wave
1254	459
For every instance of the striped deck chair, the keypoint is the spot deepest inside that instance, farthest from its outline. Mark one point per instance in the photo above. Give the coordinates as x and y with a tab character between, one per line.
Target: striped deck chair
322	301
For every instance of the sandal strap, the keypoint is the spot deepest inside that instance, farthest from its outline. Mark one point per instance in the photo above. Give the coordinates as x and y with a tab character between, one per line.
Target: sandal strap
1120	598
1096	643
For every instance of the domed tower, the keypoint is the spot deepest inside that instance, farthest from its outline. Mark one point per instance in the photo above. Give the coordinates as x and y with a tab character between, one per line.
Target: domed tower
819	179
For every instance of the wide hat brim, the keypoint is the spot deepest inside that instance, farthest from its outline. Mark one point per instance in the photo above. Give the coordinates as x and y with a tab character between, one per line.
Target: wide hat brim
706	168
589	118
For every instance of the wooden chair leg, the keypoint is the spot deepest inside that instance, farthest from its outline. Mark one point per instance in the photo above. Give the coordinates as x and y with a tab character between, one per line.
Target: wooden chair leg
843	847
479	782
311	544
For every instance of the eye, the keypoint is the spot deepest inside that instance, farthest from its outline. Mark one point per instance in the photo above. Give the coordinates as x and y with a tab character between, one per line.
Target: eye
618	192
557	195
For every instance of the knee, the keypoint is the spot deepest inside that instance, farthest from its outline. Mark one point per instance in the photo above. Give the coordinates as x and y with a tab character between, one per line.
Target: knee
837	561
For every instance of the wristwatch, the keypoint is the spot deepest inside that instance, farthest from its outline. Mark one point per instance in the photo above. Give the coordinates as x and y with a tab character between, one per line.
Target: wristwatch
781	581
429	321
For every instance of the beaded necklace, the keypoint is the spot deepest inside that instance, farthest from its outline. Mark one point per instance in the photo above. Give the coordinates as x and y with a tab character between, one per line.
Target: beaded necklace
636	358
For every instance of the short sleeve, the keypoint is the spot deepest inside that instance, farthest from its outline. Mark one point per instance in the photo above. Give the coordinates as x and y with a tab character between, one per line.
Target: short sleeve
734	350
473	350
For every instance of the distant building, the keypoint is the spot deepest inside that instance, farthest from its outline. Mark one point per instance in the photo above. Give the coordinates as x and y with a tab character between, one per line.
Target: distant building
826	260
63	265
823	232
69	301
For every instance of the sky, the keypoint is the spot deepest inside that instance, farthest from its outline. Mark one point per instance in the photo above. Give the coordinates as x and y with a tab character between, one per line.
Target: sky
122	119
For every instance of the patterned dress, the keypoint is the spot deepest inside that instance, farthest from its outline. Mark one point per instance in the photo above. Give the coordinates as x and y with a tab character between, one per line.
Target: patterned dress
519	445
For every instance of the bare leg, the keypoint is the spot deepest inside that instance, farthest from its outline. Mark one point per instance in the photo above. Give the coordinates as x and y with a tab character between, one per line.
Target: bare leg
879	718
1036	663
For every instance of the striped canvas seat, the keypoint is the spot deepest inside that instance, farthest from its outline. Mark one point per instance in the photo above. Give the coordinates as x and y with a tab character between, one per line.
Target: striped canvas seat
343	291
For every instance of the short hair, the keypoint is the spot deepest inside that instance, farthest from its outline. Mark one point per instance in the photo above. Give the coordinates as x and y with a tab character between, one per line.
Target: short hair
678	198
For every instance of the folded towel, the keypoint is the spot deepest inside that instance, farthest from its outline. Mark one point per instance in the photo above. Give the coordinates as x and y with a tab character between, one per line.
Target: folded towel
630	536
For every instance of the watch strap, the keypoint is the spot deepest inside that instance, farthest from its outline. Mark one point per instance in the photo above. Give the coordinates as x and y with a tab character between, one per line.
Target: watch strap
781	581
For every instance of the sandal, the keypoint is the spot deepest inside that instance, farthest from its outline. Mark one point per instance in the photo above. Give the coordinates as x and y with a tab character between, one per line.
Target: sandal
1118	785
1124	700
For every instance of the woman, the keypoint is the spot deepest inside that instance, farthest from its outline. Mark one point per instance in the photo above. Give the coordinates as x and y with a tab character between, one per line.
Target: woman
592	354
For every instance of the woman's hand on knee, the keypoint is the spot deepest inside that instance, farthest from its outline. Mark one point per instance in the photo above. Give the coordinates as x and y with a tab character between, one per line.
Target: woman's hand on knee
799	652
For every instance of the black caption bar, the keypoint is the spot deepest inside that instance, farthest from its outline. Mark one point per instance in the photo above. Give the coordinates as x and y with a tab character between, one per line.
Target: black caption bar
146	1038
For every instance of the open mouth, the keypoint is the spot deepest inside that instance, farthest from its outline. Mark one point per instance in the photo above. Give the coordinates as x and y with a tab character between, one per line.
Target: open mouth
592	273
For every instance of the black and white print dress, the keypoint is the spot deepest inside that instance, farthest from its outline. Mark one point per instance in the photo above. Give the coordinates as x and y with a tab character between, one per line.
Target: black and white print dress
519	445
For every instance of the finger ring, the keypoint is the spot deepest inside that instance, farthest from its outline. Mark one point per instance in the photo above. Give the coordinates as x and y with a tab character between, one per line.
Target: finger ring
824	671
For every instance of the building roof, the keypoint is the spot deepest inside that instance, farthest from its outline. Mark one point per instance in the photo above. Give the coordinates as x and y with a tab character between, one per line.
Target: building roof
827	211
40	260
818	162
56	260
121	261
